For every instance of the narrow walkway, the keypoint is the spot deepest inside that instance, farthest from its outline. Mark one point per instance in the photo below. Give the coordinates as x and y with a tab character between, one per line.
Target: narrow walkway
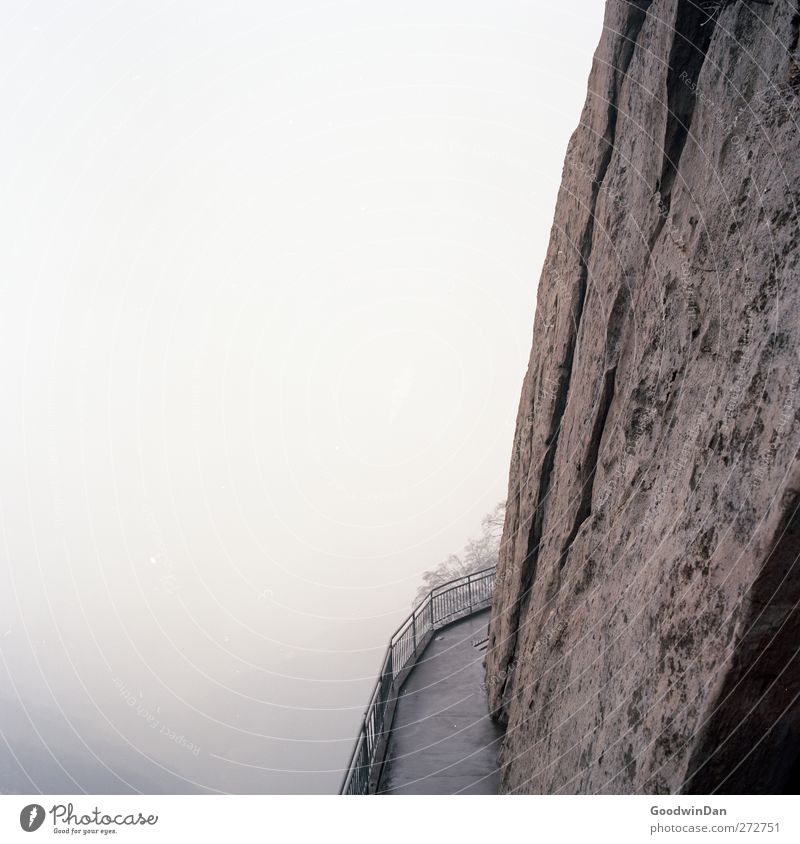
442	740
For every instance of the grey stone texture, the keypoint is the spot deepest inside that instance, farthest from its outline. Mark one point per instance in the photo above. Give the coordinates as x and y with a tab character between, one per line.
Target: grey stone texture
645	626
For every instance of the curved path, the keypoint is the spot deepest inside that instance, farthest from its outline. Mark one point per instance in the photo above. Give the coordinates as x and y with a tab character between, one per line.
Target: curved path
442	739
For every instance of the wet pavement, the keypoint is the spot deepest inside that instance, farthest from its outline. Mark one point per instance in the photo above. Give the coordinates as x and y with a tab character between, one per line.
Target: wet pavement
442	740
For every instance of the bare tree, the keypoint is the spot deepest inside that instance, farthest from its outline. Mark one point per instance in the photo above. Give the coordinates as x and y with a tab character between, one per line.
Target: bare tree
492	523
479	553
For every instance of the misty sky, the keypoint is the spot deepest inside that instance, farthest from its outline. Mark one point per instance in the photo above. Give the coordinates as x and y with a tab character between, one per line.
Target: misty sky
268	283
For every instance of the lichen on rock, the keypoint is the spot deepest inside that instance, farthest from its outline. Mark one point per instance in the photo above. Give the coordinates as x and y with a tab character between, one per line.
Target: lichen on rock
645	624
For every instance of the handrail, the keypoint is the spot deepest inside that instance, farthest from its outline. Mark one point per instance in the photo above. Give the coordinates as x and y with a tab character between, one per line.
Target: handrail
444	604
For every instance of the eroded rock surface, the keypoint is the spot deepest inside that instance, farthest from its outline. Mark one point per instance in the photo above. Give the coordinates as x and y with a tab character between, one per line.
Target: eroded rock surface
645	627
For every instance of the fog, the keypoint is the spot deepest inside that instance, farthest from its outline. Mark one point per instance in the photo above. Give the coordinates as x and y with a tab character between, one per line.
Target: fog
268	279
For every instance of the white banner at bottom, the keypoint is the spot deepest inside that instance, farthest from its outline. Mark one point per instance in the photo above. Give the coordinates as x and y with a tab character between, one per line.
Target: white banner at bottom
178	818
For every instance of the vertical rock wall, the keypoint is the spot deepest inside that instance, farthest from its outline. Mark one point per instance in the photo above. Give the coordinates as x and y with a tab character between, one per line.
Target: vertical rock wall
645	627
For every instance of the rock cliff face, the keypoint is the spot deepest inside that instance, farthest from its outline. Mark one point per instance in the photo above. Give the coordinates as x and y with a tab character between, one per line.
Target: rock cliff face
645	629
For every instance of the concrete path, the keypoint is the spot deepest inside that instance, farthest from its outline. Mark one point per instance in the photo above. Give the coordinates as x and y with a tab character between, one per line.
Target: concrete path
442	740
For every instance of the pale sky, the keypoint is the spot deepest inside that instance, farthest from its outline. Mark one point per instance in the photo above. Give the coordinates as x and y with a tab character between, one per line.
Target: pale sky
268	286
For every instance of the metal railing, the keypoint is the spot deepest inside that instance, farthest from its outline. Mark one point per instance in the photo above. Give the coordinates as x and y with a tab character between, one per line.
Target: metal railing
444	604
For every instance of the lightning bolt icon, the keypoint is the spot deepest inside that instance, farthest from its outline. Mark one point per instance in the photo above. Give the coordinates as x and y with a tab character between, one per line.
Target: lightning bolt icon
34	813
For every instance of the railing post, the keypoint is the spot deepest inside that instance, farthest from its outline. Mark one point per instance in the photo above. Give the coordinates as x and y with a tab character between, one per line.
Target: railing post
469	587
414	629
